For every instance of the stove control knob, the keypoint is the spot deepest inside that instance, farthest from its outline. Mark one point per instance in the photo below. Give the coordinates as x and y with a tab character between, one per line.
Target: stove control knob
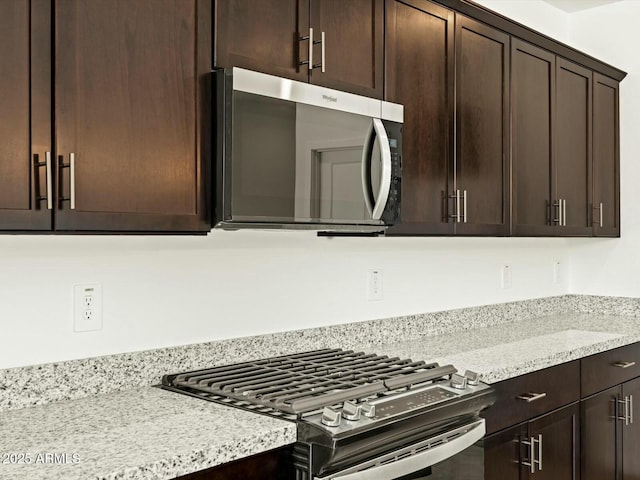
331	417
473	378
458	381
368	410
351	411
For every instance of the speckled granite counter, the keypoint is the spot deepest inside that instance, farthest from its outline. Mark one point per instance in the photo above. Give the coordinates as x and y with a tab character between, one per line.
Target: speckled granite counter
511	349
145	433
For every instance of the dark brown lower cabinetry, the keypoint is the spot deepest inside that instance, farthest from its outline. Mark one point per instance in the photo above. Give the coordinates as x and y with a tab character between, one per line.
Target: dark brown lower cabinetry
610	434
271	465
546	447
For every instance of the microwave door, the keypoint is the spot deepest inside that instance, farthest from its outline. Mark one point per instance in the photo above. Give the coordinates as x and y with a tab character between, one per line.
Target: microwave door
376	169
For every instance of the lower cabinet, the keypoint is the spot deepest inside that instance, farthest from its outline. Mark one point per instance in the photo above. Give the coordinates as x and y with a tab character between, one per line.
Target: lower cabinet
546	447
270	465
610	437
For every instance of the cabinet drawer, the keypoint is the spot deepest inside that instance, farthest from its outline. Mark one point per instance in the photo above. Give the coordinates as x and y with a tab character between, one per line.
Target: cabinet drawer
610	368
526	396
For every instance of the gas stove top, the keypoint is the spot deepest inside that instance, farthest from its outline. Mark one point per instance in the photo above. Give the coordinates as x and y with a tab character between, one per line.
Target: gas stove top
352	409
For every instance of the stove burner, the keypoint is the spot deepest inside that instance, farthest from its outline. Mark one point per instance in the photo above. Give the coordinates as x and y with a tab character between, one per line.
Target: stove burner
305	382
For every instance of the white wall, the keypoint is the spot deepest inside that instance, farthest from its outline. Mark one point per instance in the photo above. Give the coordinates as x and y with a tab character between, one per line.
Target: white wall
161	291
613	267
535	14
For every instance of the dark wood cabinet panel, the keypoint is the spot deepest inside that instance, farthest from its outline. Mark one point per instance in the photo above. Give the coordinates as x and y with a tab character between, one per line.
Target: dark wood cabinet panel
263	36
631	433
606	157
354	52
502	454
600	436
482	134
129	84
270	465
25	126
420	76
573	146
609	368
533	107
560	435
554	387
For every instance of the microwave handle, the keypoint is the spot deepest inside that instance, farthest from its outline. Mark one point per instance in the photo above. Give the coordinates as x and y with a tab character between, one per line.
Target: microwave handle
416	462
379	133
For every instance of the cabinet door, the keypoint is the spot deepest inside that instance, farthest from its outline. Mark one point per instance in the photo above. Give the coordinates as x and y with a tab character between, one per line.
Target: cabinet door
482	134
600	436
573	147
420	76
25	106
533	104
606	157
502	454
132	110
631	433
354	37
560	433
263	36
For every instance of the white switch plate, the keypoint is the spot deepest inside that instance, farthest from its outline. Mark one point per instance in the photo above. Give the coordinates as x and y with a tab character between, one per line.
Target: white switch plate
374	285
506	276
87	307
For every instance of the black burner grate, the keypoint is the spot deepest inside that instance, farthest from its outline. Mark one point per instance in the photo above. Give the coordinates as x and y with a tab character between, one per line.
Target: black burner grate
309	381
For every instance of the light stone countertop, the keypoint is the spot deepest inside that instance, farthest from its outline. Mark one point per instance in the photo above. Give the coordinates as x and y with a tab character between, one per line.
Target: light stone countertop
511	349
146	433
151	434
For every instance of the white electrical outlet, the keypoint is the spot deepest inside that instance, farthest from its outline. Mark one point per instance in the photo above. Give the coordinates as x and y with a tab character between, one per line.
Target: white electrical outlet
506	276
374	285
87	307
557	272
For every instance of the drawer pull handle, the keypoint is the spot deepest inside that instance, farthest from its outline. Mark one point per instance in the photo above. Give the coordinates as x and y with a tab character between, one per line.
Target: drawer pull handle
531	397
624	364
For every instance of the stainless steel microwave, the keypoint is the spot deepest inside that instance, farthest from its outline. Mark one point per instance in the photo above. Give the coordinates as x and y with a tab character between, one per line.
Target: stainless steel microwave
299	156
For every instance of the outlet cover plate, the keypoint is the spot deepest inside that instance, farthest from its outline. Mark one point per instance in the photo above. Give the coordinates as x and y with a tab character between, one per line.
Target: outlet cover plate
87	307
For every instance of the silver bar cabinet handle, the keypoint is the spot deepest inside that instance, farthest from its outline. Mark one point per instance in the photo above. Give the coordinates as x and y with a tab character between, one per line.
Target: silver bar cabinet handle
540	451
323	53
49	180
531	443
464	206
625	417
624	364
531	397
564	212
630	408
309	37
558	220
310	48
601	215
72	181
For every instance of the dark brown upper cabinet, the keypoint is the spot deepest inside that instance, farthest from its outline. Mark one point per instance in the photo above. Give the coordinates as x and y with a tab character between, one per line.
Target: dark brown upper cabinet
274	37
533	104
26	164
450	185
481	160
131	100
131	116
552	144
420	75
606	157
573	151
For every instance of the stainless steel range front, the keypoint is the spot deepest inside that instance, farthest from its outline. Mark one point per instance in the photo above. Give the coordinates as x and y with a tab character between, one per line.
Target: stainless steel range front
359	416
